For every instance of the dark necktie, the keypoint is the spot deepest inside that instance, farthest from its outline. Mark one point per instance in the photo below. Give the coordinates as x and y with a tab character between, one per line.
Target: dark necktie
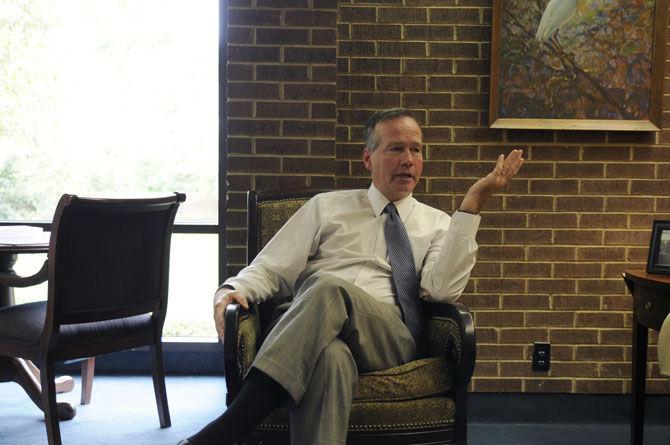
405	280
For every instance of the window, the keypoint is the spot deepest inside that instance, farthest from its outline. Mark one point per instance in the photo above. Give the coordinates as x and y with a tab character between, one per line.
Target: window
111	97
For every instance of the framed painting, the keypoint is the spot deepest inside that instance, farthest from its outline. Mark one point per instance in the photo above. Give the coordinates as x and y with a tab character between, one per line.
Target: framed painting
578	64
658	260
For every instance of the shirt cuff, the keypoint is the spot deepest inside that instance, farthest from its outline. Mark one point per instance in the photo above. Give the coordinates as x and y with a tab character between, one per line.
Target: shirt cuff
465	223
231	282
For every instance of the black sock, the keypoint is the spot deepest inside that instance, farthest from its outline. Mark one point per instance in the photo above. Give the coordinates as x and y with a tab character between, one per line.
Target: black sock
258	396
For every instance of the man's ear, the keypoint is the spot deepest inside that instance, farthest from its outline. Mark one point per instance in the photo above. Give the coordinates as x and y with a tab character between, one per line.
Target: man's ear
366	159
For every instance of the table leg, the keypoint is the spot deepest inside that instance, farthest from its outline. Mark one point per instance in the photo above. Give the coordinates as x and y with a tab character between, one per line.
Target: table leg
17	370
640	337
6	266
24	372
64	383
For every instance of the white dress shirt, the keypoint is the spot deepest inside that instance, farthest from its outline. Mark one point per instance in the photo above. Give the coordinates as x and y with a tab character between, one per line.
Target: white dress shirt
341	233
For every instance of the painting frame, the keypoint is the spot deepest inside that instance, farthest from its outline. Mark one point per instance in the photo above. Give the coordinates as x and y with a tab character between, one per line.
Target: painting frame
658	261
655	112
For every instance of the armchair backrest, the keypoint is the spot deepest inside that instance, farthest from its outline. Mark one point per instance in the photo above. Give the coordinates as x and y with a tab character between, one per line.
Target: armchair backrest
267	212
109	258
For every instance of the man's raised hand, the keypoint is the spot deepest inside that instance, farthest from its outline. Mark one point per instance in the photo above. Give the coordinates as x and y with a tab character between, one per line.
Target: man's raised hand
505	169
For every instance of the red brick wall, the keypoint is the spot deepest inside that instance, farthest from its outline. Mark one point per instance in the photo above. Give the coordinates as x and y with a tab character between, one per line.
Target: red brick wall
305	74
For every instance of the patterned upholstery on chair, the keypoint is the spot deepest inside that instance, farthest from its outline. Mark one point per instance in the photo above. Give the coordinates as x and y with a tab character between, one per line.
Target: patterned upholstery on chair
413	395
414	380
247	342
272	215
444	340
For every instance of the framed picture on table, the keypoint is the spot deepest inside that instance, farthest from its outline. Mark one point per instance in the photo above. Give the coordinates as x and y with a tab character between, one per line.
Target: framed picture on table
578	64
659	249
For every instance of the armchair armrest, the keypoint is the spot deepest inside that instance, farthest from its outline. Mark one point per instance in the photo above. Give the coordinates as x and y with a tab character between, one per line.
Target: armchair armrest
459	344
13	280
241	340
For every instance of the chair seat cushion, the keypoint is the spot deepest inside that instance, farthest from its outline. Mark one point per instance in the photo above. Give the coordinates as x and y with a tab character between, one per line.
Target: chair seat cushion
417	379
402	398
22	324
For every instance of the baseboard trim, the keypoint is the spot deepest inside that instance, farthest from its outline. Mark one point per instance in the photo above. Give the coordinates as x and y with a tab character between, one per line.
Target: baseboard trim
563	408
137	362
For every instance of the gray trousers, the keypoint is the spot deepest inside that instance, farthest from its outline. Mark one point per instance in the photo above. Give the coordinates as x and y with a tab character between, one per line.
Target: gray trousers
332	331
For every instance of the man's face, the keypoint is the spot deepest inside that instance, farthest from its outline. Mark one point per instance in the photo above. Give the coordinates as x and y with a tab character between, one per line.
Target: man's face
397	162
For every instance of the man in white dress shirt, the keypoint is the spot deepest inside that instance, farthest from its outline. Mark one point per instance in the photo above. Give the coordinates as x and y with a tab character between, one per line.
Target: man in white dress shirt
345	317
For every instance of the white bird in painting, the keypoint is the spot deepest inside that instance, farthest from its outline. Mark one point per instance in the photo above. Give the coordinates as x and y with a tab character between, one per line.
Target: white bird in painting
556	15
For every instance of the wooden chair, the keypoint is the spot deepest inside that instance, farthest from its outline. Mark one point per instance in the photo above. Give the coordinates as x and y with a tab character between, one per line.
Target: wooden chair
421	402
107	272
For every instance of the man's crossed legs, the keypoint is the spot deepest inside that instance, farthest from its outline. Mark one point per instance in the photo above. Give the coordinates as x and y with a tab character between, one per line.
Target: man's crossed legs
332	331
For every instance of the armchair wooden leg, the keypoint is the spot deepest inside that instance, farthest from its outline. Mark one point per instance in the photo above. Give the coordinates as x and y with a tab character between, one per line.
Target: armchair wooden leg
461	416
158	374
87	372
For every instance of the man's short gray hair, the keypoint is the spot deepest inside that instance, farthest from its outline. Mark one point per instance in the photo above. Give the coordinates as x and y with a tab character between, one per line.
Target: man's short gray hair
371	141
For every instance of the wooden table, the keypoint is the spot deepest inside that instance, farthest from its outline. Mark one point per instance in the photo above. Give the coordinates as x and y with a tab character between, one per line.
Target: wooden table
651	304
19	370
8	255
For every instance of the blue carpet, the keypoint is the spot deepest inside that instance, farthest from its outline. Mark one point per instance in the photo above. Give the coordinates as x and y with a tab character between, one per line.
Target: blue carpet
122	410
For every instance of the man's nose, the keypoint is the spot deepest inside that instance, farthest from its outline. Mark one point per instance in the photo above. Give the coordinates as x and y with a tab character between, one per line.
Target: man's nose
406	157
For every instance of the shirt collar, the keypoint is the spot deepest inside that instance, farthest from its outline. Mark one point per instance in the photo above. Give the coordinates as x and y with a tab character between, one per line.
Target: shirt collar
378	202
